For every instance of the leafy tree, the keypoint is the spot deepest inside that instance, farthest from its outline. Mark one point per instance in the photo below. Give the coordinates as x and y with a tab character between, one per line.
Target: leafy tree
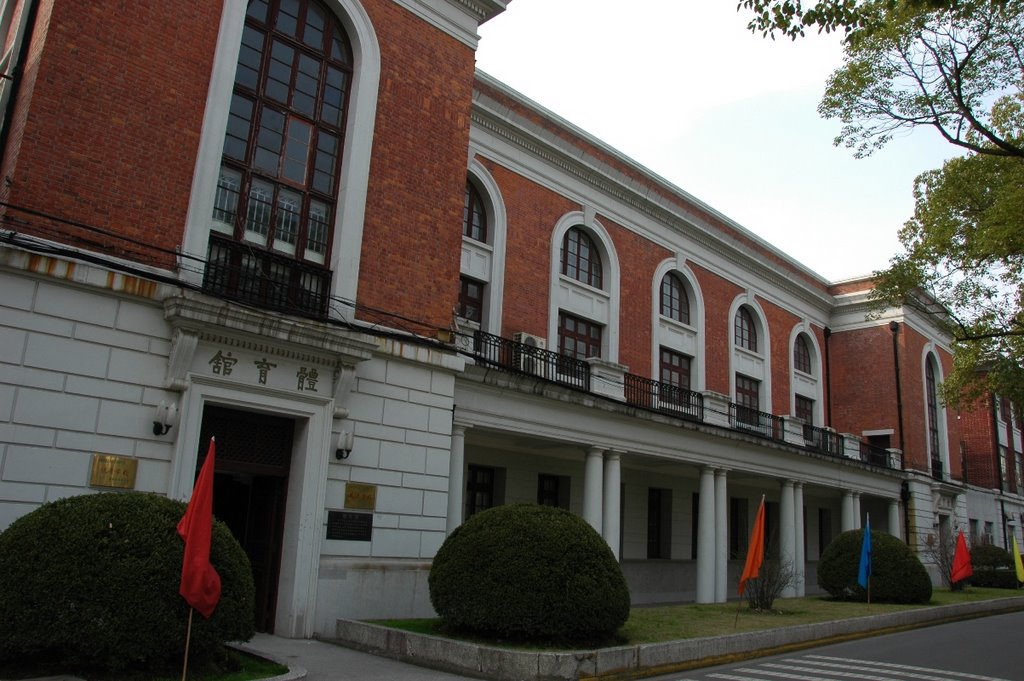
965	248
956	66
957	71
791	17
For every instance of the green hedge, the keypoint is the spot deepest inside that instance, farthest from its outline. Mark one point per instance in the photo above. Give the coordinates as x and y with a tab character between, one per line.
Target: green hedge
897	574
529	572
92	582
993	567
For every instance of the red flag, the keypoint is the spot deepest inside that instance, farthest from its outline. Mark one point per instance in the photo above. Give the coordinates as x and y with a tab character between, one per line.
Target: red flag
755	551
961	560
200	583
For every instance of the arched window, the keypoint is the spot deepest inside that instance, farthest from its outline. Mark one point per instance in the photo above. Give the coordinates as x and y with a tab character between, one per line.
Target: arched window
675	304
580	258
745	333
932	396
802	354
474	217
278	184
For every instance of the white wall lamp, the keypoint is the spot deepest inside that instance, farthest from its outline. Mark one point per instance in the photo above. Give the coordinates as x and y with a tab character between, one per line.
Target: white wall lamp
344	445
166	418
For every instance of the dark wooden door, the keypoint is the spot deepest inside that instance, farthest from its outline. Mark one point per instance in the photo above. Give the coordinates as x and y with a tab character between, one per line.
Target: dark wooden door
249	493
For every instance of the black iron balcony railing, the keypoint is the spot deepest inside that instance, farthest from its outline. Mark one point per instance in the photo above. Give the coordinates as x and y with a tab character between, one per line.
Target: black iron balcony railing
876	456
824	441
760	422
530	360
664	397
937	471
241	272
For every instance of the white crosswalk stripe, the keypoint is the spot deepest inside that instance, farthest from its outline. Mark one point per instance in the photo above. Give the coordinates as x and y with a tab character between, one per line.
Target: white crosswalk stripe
826	668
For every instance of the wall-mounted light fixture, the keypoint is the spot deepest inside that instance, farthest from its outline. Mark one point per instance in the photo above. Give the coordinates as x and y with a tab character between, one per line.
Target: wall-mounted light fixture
166	418
344	446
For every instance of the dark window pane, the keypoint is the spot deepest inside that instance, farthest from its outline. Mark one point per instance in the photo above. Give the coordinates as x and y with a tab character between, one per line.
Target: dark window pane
268	144
279	75
474	218
802	354
674	302
745	332
326	160
236	140
257	10
247	72
313	35
578	338
288	17
307	82
580	258
296	154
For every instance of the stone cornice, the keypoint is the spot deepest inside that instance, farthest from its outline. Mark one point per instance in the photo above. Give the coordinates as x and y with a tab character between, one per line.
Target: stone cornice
271	333
458	18
516	130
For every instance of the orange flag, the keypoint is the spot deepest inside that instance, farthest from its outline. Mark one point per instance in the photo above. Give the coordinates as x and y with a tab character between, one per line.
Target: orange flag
755	550
961	560
200	583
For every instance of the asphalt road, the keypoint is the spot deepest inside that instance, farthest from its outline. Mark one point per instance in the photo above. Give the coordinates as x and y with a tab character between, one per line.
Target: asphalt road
984	649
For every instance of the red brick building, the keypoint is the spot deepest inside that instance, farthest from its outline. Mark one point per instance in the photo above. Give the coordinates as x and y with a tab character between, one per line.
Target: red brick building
399	292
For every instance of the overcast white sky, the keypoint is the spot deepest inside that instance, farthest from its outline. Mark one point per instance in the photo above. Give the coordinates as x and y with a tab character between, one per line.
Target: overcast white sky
683	88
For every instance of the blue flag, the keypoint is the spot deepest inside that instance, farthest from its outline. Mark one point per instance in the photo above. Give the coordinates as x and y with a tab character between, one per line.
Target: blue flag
864	574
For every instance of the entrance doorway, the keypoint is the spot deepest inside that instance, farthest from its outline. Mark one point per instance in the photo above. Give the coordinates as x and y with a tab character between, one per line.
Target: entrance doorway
249	490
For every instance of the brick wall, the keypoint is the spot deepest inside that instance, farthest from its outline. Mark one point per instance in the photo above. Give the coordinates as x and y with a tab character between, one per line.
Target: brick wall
413	228
979	442
107	126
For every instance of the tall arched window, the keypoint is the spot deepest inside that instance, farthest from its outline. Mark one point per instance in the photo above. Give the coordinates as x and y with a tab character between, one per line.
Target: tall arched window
802	354
675	304
932	397
745	333
278	186
474	217
581	259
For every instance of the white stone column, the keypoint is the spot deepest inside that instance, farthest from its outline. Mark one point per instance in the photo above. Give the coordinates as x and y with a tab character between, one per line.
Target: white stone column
787	534
800	560
894	518
456	478
721	537
706	537
612	487
846	518
593	487
858	519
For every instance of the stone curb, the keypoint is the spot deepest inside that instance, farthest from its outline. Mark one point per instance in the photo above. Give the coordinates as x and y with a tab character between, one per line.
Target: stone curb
634	661
294	673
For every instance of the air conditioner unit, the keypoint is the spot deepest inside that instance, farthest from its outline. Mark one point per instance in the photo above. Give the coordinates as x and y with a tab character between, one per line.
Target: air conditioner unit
530	340
526	358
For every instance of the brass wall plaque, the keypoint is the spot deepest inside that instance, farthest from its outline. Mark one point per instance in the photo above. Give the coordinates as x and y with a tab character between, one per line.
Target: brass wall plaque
109	470
363	497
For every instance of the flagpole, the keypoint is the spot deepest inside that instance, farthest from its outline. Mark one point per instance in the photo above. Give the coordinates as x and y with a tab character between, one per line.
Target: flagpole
188	640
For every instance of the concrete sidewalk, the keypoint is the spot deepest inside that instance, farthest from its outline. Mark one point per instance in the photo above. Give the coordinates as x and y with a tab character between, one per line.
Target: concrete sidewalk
323	661
367	652
320	661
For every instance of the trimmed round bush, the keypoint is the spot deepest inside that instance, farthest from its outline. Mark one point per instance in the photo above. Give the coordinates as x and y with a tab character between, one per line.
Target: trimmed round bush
529	572
993	567
92	582
990	557
897	574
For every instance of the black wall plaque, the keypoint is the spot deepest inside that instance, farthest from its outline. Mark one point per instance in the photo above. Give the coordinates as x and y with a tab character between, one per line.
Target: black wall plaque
349	525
